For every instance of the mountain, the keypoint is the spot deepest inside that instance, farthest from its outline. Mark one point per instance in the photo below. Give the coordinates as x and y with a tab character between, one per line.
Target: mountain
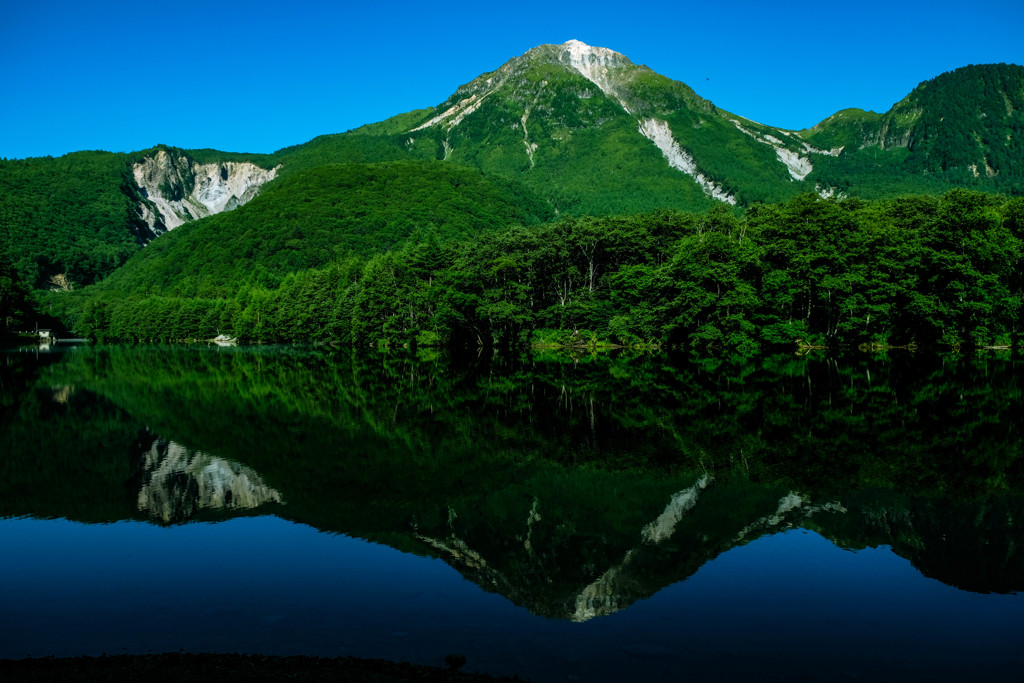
961	128
67	218
583	128
596	133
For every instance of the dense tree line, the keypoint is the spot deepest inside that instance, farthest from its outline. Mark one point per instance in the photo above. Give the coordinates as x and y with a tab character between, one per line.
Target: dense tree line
17	305
924	270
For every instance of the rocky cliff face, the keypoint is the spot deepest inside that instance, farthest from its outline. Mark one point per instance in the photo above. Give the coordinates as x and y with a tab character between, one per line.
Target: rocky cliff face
174	189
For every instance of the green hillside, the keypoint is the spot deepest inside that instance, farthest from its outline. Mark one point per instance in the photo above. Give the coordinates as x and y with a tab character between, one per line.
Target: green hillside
71	221
312	218
960	129
971	118
573	133
846	128
68	216
575	141
342	148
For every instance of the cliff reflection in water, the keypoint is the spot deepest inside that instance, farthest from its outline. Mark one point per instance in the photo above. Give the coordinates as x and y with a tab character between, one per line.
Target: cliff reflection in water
571	487
178	483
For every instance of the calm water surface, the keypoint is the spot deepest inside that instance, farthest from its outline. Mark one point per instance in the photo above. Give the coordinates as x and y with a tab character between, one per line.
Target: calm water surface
563	519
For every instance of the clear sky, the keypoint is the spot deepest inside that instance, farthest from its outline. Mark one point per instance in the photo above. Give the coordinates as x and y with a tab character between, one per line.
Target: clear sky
257	76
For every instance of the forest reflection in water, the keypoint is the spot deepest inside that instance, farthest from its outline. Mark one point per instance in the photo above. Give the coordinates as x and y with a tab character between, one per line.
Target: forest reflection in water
573	488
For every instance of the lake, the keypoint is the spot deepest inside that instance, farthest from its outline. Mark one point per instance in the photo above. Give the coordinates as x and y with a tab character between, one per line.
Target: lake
651	517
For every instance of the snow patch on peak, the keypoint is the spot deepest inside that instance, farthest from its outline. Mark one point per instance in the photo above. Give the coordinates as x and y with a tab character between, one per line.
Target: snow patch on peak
583	52
658	132
593	63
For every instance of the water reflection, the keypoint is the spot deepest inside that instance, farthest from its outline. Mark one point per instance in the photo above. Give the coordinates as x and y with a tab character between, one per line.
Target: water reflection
576	489
178	483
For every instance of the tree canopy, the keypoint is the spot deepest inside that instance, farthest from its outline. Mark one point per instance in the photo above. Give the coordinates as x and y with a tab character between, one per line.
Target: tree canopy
915	270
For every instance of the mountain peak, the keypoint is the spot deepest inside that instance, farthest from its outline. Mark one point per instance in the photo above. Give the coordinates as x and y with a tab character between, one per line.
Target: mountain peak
580	51
599	65
596	64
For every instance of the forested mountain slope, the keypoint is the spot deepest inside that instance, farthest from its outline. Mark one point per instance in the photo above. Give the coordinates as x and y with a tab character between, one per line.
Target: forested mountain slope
595	134
71	221
68	216
325	214
963	128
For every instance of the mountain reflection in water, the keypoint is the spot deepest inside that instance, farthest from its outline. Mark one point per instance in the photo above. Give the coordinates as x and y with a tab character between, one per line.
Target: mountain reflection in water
576	488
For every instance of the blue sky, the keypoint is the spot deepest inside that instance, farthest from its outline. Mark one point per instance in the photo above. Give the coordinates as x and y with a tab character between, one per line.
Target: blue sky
255	76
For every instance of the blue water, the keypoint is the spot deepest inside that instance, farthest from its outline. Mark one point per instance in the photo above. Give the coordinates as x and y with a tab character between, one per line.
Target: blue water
790	606
610	484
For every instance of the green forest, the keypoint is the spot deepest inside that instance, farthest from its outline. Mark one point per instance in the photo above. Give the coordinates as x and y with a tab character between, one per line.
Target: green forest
962	129
920	270
71	216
